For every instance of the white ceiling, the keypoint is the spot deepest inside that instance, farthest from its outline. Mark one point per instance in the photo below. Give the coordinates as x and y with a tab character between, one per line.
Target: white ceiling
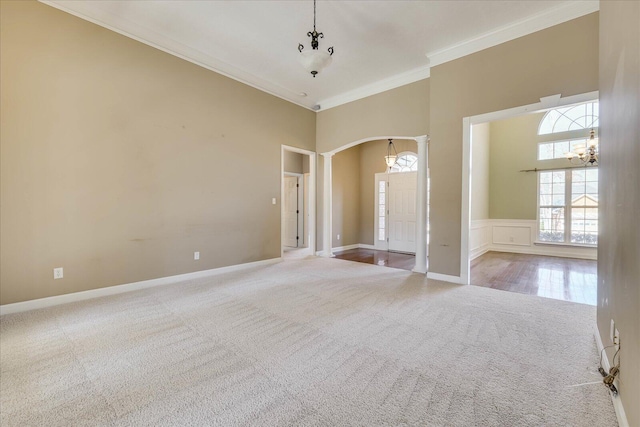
378	44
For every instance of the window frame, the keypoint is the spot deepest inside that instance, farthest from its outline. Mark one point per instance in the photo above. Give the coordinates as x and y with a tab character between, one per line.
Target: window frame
568	207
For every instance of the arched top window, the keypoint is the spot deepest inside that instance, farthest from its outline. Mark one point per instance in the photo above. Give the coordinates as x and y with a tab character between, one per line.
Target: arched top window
576	117
406	162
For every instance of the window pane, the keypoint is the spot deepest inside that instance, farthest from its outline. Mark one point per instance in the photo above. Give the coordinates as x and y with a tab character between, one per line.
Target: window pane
381	223
381	210
560	148
578	175
382	185
551	228
381	235
545	188
545	200
592	187
545	151
592	174
545	177
557	200
382	198
558	188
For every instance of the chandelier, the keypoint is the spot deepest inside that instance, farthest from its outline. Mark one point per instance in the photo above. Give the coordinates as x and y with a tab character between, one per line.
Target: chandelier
585	154
314	60
390	158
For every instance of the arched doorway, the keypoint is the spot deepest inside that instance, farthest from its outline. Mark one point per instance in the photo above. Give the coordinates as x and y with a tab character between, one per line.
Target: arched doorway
421	199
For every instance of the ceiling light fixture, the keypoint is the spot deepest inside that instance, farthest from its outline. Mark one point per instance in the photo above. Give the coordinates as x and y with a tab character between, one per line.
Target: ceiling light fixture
585	154
390	159
314	60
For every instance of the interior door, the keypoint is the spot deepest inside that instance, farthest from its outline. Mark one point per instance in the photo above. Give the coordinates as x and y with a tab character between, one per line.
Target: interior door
290	211
402	211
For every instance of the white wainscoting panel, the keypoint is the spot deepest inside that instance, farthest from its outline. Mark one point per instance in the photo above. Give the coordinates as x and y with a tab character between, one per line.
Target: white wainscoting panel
479	237
517	236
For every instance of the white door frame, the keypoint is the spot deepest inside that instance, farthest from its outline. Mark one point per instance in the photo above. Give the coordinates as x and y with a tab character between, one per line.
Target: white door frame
311	196
421	208
545	103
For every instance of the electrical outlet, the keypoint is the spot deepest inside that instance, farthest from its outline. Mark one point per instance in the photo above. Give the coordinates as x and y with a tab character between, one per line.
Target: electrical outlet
58	273
338	237
616	339
196	256
273	200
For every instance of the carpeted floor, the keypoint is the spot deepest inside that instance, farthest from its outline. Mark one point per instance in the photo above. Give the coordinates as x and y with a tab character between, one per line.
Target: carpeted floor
305	342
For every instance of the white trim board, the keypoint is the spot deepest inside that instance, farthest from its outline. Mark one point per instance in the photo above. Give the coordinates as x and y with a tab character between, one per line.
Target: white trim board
529	25
90	12
518	236
617	402
445	278
19	307
346	248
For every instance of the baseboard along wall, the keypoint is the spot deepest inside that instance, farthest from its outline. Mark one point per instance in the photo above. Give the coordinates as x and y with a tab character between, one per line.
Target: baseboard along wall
517	236
118	289
617	402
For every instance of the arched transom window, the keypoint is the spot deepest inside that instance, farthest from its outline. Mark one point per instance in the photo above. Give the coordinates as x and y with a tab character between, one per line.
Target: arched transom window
576	117
406	162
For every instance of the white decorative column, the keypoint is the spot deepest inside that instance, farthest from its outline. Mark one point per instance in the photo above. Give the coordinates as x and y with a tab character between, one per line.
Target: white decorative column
421	208
327	229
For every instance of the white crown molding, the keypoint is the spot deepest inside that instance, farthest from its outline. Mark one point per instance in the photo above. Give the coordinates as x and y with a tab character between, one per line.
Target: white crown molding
380	86
88	11
19	307
549	18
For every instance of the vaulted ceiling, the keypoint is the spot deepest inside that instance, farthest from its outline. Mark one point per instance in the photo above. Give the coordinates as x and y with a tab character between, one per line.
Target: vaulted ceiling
378	45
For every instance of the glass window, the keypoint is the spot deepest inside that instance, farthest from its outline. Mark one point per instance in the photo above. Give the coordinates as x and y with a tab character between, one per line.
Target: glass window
568	206
382	210
583	116
406	162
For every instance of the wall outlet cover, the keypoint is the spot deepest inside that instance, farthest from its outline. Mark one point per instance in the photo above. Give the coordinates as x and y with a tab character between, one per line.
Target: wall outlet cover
58	273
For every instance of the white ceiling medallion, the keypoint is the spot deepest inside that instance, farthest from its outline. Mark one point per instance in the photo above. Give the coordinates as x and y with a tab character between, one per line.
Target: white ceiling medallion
314	60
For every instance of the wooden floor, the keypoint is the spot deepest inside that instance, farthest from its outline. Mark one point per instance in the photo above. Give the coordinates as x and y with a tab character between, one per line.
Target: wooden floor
370	256
552	277
565	279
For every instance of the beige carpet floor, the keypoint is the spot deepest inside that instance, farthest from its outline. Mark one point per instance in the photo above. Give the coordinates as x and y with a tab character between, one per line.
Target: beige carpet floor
304	342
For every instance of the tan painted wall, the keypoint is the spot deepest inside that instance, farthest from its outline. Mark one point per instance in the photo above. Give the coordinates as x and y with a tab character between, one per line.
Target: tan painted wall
561	59
114	159
480	149
293	162
514	147
346	197
403	111
371	162
619	238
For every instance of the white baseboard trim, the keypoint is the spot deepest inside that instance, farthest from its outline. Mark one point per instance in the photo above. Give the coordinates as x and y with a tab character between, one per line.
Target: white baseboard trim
517	236
617	402
562	252
444	277
346	248
118	289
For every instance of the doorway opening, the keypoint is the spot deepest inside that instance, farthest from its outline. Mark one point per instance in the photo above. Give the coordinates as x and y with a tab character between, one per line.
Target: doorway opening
368	209
529	213
298	201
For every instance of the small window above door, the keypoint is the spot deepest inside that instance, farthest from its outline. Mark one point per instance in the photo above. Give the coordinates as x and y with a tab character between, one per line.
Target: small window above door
406	162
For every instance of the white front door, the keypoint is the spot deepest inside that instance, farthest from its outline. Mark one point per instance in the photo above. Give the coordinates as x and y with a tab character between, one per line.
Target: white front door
402	211
290	211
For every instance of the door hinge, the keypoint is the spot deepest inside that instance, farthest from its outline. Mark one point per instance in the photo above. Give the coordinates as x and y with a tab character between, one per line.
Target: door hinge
297	185
297	237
